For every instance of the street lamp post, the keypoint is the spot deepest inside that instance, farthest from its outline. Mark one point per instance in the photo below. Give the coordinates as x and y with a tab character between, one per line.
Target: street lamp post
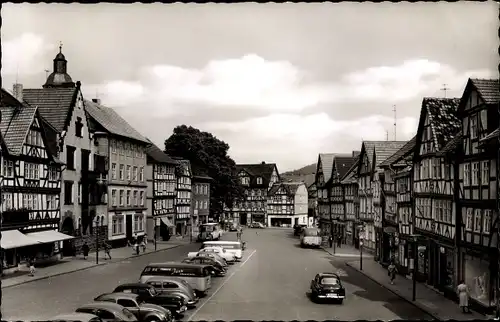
97	239
414	271
361	234
155	236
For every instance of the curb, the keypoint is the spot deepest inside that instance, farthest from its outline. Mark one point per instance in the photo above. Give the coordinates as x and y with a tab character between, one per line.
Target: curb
414	303
92	266
341	254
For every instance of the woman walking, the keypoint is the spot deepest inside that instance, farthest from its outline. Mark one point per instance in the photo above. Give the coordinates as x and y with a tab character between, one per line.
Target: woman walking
392	270
463	296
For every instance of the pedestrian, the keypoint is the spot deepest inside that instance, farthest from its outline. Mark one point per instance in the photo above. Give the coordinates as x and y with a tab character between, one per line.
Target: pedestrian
143	246
339	241
330	240
391	271
463	296
146	238
32	266
136	247
85	250
107	250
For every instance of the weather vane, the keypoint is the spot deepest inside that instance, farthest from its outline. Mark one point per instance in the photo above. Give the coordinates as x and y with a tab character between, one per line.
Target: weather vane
60	46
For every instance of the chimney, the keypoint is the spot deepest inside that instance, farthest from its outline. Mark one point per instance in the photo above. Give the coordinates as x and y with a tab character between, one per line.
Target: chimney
18	92
263	162
355	153
97	101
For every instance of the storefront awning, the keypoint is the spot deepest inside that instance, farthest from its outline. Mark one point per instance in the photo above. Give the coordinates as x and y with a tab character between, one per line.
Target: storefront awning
15	239
167	221
49	236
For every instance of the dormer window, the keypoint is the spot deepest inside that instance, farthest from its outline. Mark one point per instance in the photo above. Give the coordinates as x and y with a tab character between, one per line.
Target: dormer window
78	127
259	180
245	181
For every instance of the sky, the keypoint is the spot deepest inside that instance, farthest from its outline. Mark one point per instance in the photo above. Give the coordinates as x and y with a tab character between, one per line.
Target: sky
277	82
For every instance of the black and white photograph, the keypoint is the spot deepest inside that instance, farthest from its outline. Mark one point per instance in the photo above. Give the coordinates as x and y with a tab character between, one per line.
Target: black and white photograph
250	161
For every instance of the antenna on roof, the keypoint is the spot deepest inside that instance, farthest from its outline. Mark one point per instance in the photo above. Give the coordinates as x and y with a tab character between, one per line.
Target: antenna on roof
395	120
444	89
387	135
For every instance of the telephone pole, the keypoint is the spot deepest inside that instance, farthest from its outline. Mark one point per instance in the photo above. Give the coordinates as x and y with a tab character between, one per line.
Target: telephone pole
395	122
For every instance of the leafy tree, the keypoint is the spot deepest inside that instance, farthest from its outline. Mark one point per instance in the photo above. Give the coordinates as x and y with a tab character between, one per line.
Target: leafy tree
204	150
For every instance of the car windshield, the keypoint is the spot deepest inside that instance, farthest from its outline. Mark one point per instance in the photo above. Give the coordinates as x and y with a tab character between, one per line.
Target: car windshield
329	281
311	232
128	315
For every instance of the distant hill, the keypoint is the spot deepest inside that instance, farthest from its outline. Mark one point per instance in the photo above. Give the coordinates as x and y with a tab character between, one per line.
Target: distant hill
306	174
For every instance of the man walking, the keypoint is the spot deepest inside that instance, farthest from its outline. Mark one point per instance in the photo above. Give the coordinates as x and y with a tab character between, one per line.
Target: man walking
85	250
392	270
107	250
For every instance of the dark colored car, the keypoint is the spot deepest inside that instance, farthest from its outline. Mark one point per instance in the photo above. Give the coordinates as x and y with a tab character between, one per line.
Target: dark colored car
327	286
147	293
297	229
107	311
233	227
219	270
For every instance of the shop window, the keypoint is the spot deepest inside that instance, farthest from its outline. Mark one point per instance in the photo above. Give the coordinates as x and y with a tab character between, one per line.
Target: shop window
477	220
477	278
469	219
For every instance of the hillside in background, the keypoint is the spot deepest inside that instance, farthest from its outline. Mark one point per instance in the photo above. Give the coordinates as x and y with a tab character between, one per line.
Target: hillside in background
306	174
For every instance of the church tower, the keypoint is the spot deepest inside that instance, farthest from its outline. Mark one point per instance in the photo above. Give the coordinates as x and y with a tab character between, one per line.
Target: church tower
59	77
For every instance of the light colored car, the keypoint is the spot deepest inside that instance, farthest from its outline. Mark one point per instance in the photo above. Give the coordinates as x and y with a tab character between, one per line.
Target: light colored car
229	257
107	311
234	247
82	317
310	237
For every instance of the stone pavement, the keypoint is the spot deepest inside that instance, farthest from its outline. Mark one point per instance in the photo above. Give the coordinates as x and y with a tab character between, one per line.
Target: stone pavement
428	300
73	264
346	251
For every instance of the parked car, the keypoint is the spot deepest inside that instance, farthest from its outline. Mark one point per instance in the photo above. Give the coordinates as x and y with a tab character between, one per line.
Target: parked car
218	269
310	237
215	257
327	286
175	285
229	257
233	227
234	247
257	225
297	229
81	317
108	312
142	311
174	302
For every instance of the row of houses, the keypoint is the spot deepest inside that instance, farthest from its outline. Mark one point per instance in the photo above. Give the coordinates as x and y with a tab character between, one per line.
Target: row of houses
74	171
430	203
269	199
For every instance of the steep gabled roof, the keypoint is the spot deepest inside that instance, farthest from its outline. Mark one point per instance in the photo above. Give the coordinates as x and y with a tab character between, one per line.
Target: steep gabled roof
443	118
343	164
15	125
350	175
263	170
452	144
112	121
326	160
382	149
54	104
156	154
289	187
488	89
400	154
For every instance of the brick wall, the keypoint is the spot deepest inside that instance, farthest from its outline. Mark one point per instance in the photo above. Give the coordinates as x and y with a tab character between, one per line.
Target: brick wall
91	240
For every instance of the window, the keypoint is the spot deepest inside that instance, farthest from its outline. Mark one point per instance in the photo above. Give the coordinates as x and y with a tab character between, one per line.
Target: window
128	172
469	223
142	198
477	220
113	146
197	205
115	226
113	197
475	174
79	193
7	200
485	172
135	174
436	171
473	127
78	127
245	181
486	221
126	303
70	157
68	192
128	198
141	175
136	223
113	170
53	173
466	174
121	197
8	168
31	171
122	168
135	197
259	180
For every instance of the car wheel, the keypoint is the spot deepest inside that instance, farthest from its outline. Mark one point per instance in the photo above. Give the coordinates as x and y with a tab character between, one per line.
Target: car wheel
340	301
152	319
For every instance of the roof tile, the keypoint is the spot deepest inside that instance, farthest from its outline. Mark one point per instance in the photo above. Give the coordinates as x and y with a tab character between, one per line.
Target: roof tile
382	149
401	153
443	118
263	170
489	89
156	154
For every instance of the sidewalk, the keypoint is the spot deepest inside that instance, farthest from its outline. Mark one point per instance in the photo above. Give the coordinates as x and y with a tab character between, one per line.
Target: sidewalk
346	251
73	264
428	300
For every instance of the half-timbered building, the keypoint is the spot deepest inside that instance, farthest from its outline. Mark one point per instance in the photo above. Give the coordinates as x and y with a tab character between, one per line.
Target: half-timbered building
200	203
351	204
397	221
83	204
373	153
312	201
31	184
287	204
341	164
184	176
161	192
434	208
477	195
257	180
323	185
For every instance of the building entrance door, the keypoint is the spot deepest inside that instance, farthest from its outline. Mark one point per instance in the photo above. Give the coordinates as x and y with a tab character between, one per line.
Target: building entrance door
128	227
243	219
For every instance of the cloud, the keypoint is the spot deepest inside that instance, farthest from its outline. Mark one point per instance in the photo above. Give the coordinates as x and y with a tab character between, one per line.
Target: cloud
24	55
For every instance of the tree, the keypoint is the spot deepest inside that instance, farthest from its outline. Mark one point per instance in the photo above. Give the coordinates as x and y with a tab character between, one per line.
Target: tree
206	151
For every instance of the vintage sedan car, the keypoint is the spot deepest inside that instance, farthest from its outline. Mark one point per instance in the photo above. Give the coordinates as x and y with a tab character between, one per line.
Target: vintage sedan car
297	229
142	311
82	317
229	257
215	257
233	227
257	225
218	269
327	286
175	285
174	301
310	237
108	312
